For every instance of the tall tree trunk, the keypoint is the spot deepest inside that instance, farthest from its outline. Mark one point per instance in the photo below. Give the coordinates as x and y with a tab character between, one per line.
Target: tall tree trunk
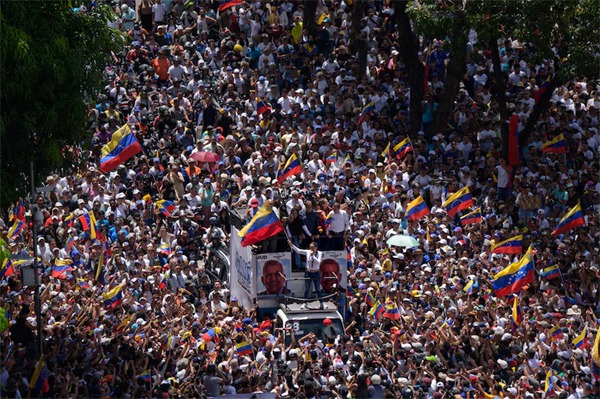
409	54
358	44
499	94
310	16
454	75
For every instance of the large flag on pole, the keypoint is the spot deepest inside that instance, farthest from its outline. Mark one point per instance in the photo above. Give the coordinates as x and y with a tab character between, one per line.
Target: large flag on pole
122	146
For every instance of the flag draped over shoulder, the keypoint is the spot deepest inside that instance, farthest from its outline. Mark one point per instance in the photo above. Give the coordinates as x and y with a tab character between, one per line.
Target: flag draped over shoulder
264	224
122	146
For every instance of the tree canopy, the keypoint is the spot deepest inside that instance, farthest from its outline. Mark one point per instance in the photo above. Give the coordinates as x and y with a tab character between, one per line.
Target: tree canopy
52	57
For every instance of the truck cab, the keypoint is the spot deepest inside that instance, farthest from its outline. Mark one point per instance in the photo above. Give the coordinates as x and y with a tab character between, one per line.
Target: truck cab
301	322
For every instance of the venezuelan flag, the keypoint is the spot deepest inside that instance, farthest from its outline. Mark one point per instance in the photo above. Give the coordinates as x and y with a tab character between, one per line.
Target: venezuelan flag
328	220
62	266
580	341
517	316
83	284
403	148
211	335
370	298
471	217
166	207
8	268
351	291
551	272
122	146
162	284
370	107
244	348
391	311
18	212
39	379
69	220
292	167
88	222
595	363
572	219
557	333
557	145
377	310
165	248
69	244
387	153
513	245
262	107
512	278
145	376
469	287
16	229
416	209
458	201
347	160
114	297
264	224
225	4
549	386
332	158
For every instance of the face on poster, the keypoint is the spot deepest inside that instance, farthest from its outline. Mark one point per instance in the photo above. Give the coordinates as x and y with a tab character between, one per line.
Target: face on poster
333	271
273	271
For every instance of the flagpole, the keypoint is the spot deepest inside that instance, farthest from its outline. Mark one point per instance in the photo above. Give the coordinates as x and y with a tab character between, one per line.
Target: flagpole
37	218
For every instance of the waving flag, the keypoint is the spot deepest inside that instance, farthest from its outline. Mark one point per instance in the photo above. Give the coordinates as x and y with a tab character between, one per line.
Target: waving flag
549	386
416	209
557	333
244	348
551	272
114	297
211	335
469	287
328	220
8	268
580	341
572	219
262	107
347	159
387	153
517	316
458	201
39	379
513	245
516	275
595	363
377	310
391	311
62	266
557	145
332	158
88	222
292	167
225	4
166	207
370	298
264	224
162	284
370	107
122	146
471	217
145	376
18	213
69	220
16	229
403	148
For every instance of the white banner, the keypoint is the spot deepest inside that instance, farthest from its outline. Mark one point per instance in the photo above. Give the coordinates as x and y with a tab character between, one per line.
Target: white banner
242	276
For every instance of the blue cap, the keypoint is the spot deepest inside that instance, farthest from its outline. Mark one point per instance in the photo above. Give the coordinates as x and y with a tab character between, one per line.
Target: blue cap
247	321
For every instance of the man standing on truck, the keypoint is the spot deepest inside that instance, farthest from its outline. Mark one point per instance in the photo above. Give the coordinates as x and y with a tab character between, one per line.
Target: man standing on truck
312	273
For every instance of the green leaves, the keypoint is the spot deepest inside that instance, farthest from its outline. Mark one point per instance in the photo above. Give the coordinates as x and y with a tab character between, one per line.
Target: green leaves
46	67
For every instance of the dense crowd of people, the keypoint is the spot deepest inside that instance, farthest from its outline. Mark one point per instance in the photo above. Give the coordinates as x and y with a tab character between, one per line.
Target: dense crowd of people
219	101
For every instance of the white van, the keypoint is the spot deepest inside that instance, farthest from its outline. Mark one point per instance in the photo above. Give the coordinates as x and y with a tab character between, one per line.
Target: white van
301	322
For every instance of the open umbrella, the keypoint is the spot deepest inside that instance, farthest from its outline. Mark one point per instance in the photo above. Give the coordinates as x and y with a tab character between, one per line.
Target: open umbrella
208	157
400	240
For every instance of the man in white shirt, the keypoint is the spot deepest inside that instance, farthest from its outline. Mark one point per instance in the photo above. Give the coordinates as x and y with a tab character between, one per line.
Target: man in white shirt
338	226
312	274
